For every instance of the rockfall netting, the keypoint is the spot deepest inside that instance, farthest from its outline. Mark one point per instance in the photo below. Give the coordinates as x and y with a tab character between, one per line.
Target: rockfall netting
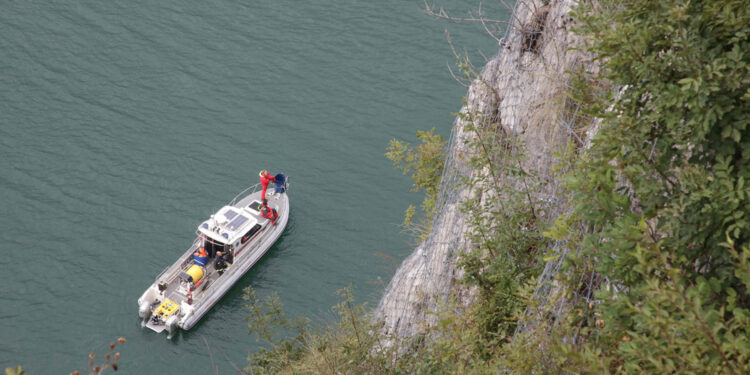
519	95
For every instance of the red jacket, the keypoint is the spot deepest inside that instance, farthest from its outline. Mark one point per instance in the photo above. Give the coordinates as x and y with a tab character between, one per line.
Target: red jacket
268	213
264	180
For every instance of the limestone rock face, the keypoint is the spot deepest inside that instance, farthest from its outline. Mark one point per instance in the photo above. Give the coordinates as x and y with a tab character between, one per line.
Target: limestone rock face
521	93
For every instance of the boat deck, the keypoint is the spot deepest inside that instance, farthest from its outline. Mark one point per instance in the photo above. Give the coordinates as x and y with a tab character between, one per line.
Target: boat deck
213	285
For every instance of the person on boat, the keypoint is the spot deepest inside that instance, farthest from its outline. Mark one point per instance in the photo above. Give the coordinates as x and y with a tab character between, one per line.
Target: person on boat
268	212
265	179
200	257
223	260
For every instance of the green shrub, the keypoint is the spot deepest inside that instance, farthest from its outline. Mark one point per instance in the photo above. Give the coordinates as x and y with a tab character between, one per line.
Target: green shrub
658	269
425	163
661	193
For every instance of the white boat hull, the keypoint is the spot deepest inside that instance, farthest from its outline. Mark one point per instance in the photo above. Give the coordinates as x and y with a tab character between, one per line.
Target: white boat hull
171	302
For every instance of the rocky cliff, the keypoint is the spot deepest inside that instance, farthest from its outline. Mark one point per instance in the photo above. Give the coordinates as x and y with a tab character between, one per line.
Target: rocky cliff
520	92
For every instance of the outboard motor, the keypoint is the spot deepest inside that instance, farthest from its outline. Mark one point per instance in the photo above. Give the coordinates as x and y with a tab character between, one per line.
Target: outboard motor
171	324
144	310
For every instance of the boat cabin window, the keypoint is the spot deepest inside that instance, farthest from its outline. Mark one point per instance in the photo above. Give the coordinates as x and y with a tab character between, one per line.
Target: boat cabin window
251	233
212	247
255	206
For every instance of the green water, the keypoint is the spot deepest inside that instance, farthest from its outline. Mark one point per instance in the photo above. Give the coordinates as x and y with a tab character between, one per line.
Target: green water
125	124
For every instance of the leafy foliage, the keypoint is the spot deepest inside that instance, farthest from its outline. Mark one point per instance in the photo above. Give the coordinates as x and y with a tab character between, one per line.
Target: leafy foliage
353	344
15	371
658	274
662	191
425	163
507	242
266	319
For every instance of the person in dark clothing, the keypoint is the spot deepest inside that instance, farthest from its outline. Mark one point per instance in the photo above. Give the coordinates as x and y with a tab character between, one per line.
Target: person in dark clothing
265	179
223	260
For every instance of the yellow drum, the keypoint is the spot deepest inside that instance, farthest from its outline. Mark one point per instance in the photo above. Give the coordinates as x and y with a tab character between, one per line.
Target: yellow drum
195	272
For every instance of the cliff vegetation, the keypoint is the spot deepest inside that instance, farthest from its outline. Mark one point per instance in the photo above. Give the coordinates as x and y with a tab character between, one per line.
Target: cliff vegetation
603	230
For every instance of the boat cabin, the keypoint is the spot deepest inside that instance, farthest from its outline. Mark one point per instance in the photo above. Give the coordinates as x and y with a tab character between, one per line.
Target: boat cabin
231	228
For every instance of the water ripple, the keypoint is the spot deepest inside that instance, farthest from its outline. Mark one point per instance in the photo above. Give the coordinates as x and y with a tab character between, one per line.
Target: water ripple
123	125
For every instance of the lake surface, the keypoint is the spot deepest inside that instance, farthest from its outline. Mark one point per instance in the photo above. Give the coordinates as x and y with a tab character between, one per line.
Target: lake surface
124	125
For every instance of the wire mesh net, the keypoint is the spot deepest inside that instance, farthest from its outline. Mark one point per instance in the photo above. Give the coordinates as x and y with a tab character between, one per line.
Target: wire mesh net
519	95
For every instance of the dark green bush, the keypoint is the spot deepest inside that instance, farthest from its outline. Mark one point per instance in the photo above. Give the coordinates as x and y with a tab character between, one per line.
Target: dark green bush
662	190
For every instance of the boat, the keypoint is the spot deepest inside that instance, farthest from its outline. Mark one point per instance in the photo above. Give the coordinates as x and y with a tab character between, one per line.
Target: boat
232	240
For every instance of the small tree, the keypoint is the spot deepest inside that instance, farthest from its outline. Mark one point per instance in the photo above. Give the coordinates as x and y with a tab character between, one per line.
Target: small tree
424	163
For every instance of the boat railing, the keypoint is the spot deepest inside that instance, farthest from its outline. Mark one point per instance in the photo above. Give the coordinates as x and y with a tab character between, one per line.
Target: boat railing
250	190
254	188
182	258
